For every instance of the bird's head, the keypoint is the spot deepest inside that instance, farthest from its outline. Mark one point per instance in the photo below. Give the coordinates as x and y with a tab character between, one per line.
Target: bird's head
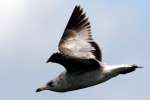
57	84
49	86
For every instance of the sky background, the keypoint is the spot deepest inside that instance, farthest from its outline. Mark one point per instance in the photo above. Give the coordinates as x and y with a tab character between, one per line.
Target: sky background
30	31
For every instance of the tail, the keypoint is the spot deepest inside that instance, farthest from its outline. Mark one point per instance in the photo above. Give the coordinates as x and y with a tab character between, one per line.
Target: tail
130	69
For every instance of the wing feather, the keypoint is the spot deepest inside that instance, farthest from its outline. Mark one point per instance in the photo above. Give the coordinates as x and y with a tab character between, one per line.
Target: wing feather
77	40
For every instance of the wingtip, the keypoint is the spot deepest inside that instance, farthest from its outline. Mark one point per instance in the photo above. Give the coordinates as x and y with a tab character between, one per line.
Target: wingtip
48	60
78	6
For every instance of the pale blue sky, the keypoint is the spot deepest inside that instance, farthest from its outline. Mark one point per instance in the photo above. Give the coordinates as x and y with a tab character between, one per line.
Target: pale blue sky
30	31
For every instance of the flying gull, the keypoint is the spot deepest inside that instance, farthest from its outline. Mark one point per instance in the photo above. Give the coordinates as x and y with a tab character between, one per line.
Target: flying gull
81	57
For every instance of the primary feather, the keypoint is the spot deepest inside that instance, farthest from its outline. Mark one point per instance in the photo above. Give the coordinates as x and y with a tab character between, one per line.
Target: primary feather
77	40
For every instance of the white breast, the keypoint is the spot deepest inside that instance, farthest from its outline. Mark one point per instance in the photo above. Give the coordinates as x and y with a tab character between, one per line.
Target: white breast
73	82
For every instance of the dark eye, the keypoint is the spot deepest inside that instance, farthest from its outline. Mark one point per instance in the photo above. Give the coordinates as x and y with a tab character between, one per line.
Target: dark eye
50	83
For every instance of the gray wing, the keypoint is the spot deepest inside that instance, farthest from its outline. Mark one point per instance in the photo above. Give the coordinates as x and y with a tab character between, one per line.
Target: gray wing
77	40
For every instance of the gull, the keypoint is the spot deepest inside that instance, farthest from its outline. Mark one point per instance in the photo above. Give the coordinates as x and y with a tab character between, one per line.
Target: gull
82	58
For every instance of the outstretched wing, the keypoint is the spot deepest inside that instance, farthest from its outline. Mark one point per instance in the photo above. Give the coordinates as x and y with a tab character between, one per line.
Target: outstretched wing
74	64
77	40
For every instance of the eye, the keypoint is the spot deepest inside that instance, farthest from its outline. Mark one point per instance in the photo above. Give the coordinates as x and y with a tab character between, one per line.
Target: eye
50	84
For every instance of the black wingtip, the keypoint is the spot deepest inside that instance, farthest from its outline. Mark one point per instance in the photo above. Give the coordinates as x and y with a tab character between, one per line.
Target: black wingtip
78	6
48	60
38	90
78	19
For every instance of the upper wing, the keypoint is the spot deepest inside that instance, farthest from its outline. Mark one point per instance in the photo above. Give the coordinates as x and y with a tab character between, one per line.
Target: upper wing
77	40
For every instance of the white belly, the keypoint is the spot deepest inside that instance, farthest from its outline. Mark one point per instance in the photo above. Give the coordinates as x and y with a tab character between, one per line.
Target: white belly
74	82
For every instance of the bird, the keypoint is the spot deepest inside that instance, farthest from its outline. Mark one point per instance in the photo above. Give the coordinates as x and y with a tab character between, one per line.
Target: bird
81	57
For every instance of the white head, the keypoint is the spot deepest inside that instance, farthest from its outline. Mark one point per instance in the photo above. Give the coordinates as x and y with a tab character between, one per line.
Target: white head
57	85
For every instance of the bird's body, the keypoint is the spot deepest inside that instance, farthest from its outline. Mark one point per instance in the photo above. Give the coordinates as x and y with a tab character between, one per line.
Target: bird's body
81	57
68	82
82	73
